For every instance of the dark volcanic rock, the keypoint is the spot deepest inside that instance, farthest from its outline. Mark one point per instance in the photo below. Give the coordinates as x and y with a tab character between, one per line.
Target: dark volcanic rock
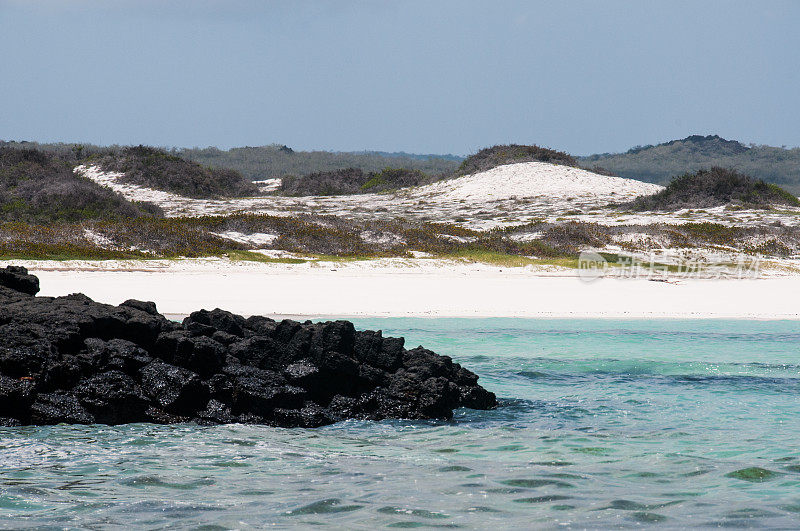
56	408
176	390
18	279
70	359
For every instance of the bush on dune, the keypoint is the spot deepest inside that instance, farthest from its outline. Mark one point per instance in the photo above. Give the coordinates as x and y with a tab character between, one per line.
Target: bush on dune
37	188
394	178
355	181
715	187
155	168
336	182
352	181
489	158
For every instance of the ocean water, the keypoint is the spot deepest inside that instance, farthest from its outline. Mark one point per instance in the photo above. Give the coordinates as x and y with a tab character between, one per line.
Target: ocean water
602	424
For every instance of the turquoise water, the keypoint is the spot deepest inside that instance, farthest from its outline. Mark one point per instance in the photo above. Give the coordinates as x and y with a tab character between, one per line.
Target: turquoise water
603	423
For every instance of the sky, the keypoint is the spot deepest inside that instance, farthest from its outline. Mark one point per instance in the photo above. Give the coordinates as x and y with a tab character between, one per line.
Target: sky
421	76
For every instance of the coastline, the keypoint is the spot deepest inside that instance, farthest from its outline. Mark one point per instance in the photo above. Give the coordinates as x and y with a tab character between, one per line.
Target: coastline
413	288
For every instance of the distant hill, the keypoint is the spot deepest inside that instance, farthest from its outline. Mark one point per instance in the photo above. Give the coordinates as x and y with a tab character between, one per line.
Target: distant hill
658	164
417	156
265	162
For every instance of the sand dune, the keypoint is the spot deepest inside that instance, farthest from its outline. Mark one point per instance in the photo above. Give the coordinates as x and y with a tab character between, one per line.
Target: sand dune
536	179
507	195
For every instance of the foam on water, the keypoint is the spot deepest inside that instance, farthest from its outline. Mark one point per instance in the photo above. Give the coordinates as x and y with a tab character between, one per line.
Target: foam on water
603	423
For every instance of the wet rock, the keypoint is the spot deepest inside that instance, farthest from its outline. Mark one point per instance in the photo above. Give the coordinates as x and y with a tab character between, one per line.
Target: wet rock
55	408
117	354
70	359
216	412
175	389
202	355
169	343
303	374
261	394
257	351
62	374
112	398
220	387
16	397
310	415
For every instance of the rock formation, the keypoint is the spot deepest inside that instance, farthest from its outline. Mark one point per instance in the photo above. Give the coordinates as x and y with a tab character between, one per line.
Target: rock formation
70	359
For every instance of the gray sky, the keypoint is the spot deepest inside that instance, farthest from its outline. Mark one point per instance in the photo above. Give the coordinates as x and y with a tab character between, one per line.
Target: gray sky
420	76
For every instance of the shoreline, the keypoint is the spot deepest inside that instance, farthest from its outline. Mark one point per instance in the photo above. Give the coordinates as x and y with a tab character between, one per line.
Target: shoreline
429	288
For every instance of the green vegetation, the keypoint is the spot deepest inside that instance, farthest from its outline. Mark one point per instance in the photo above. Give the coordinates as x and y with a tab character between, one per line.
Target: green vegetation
321	238
158	169
36	187
65	251
327	238
659	163
715	187
72	152
509	260
265	162
352	181
250	256
211	172
494	156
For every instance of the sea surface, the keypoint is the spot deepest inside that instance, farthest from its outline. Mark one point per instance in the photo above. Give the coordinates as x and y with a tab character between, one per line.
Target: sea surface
602	424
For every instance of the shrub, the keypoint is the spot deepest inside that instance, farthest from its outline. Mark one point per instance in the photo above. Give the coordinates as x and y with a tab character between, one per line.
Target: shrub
492	157
573	236
37	188
393	178
352	181
714	187
267	162
336	182
155	168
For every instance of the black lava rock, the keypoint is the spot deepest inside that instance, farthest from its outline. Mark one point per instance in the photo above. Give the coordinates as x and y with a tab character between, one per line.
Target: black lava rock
70	359
18	279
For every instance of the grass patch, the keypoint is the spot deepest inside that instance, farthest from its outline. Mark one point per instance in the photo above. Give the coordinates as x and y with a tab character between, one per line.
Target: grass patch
63	252
250	256
506	259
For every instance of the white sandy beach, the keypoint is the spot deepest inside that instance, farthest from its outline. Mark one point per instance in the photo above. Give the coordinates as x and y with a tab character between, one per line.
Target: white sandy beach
431	289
